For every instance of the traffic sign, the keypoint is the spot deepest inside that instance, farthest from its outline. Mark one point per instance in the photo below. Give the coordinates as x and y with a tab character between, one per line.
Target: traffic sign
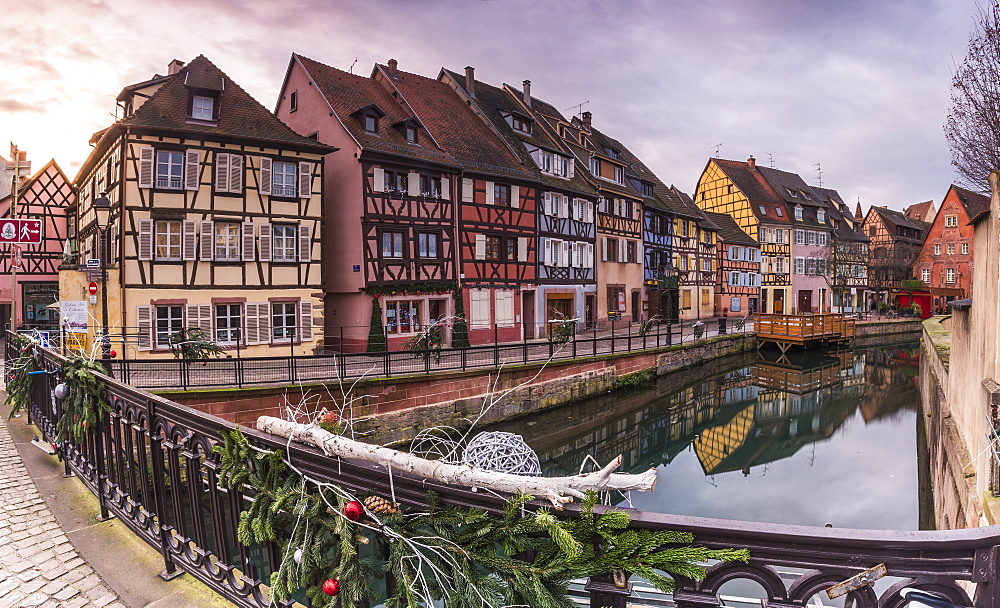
93	263
21	231
92	288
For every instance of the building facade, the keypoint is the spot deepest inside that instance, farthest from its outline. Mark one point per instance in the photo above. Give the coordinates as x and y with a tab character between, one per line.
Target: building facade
896	241
737	291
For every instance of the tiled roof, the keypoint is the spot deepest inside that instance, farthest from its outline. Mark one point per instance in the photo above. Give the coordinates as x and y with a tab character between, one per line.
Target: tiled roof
756	188
843	220
454	126
973	202
347	93
892	218
919	211
240	115
729	230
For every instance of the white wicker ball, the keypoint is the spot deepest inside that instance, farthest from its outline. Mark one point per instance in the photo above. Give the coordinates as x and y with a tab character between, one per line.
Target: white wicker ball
502	452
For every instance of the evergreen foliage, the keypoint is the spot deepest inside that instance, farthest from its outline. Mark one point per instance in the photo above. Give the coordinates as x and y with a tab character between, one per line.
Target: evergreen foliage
463	557
460	329
86	401
19	383
193	343
376	331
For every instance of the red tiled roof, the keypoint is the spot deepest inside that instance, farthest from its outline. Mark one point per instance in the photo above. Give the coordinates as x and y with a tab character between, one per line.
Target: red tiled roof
973	202
918	211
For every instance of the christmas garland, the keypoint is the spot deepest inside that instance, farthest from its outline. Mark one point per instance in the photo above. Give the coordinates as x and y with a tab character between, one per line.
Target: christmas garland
19	380
438	287
85	401
467	558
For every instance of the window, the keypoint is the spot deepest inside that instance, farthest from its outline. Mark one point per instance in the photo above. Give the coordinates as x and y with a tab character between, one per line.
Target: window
647	189
763	211
202	108
169	321
951	248
430	186
228	319
777	211
798	212
937	248
169	169
686	299
779	235
427	245
925	275
630	252
520	124
949	275
283	179
595	166
293	101
545	161
501	195
871	231
821	239
620	175
511	249
168	240
370	123
227	242
611	254
734	305
706	265
283	243
705	297
403	316
283	321
800	266
950	221
965	249
392	245
821	216
398	181
493	248
411	134
800	237
810	238
616	298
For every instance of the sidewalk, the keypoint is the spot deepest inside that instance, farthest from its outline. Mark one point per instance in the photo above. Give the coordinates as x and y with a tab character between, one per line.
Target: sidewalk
54	552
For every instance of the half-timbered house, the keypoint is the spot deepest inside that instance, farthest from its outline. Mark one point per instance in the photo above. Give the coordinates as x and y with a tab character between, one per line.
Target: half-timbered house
737	291
47	196
216	217
847	267
496	197
394	234
740	190
566	276
896	241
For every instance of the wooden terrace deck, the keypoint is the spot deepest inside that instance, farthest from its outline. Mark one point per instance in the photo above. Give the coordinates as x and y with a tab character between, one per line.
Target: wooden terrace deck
786	331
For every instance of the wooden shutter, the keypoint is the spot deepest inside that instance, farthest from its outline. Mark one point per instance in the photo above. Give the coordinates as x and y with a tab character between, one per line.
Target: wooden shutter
604	248
265	175
546	202
468	190
252	326
236	173
194	312
490	192
515	196
305	243
207	240
146	166
306	320
264	322
522	249
590	212
413	184
305	180
145	239
192	161
247	241
590	255
480	309
504	308
144	319
621	250
265	241
378	181
445	188
564	258
189	240
543	246
480	246
221	172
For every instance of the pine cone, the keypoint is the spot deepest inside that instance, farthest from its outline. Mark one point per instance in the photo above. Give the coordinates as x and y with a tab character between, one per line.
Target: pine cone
380	506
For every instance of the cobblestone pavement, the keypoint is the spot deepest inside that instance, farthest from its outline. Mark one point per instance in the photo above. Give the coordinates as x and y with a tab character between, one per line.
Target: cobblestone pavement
39	566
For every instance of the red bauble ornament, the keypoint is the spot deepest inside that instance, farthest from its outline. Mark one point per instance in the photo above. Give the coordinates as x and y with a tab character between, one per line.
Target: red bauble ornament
331	586
204	362
353	510
113	354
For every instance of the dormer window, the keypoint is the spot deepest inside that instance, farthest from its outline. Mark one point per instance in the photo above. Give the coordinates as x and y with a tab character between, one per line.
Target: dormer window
202	108
646	189
613	153
370	122
798	212
821	216
520	124
411	134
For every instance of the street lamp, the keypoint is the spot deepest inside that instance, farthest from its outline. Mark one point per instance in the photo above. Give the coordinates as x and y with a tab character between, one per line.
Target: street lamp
102	211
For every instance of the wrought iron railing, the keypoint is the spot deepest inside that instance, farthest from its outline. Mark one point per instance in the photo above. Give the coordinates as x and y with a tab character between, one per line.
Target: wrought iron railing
150	464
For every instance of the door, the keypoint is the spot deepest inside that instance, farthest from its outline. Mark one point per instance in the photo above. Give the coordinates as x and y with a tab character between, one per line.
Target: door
805	301
590	310
558	307
779	302
528	314
636	310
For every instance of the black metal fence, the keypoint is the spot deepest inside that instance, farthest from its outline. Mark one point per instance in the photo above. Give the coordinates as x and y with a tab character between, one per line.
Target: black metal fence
150	463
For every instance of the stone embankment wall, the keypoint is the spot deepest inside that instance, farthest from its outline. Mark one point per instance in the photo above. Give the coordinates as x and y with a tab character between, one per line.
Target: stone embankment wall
395	409
877	333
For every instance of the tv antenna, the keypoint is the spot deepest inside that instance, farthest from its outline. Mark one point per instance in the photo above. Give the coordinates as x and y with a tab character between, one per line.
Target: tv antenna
770	160
819	174
717	148
351	69
579	108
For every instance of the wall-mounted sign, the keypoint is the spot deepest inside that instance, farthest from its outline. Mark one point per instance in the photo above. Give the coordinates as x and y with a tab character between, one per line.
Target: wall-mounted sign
356	268
74	315
21	231
93	263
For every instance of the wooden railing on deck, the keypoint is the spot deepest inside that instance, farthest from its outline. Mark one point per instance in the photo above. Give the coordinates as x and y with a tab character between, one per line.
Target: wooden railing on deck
803	327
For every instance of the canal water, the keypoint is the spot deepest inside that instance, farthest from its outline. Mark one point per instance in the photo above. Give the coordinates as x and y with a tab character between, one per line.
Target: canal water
824	437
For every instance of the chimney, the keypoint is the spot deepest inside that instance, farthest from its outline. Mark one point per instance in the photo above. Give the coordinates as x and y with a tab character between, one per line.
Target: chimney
470	80
527	92
587	116
392	66
174	66
752	163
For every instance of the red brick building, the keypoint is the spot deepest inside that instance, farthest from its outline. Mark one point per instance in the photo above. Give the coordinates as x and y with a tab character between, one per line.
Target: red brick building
945	260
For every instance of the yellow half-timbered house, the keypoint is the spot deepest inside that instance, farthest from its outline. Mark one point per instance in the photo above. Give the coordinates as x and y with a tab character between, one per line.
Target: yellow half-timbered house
216	218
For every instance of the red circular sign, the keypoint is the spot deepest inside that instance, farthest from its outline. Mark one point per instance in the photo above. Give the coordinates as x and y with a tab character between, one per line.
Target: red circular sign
92	288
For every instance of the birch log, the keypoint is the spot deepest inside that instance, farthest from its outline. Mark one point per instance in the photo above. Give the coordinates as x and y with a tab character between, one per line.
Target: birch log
557	490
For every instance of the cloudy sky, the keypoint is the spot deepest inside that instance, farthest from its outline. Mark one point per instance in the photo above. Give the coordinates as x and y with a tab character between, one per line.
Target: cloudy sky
859	86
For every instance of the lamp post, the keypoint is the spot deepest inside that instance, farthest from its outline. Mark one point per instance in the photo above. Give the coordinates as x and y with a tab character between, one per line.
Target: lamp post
102	211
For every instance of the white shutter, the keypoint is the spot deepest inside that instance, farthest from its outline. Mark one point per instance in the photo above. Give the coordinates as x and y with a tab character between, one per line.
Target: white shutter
515	197
146	162
306	320
221	172
480	246
445	189
621	250
305	180
305	243
604	248
544	246
590	255
144	319
564	257
265	175
236	174
480	308
378	182
546	202
590	212
247	241
252	326
189	240
207	240
145	239
413	184
504	308
468	190
489	193
264	322
206	321
522	249
192	161
265	242
192	316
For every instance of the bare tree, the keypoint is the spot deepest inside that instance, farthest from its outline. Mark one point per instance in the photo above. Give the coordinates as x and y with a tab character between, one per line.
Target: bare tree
973	125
